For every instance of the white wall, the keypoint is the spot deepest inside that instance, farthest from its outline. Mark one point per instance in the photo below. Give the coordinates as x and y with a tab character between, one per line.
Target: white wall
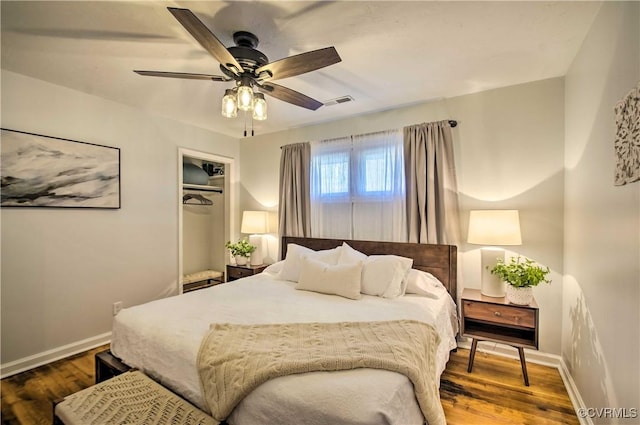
63	268
509	154
601	323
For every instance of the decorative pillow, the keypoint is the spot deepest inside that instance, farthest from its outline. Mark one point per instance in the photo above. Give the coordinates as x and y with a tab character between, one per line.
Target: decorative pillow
342	279
291	267
383	275
349	255
424	283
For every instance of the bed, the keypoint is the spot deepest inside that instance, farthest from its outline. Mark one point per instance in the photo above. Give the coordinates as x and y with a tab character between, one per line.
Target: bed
162	338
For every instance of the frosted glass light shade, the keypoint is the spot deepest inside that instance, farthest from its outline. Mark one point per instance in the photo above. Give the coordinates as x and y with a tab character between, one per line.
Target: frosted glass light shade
245	98
255	222
494	227
229	108
259	107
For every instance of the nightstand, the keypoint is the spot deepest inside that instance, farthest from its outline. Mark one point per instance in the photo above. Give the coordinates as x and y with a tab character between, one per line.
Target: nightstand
495	319
238	272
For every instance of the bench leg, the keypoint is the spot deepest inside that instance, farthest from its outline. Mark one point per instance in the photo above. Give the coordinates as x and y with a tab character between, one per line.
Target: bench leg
108	366
56	419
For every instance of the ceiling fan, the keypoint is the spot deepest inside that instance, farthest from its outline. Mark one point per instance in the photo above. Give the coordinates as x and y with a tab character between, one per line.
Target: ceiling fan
249	67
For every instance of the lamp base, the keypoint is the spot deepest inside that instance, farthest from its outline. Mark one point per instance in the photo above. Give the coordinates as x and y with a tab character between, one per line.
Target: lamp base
256	256
492	286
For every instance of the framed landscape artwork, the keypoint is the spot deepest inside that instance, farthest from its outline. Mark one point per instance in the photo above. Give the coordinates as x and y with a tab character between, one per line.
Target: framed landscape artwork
43	171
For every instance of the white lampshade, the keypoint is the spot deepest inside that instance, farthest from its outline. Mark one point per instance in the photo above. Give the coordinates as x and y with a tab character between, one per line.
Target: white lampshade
494	227
255	222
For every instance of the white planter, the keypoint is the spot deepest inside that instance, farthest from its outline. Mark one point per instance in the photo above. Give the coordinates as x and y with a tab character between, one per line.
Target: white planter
520	296
241	260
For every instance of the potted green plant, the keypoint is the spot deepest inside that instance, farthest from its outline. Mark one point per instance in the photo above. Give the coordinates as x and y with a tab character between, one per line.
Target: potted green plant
241	250
520	276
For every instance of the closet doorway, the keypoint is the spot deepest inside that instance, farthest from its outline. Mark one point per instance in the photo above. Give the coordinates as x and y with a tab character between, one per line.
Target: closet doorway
205	215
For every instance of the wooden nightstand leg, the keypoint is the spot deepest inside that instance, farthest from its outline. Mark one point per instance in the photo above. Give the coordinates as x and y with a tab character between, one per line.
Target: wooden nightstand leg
472	355
524	366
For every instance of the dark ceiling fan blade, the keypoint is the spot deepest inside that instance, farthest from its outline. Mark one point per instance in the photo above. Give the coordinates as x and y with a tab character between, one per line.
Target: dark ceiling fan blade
289	96
205	37
300	64
183	75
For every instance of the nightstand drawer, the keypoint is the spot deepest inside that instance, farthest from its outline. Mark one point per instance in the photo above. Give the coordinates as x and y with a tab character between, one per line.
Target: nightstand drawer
238	272
514	316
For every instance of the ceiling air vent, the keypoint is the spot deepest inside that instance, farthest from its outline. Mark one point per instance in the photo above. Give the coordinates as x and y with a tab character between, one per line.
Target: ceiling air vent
338	100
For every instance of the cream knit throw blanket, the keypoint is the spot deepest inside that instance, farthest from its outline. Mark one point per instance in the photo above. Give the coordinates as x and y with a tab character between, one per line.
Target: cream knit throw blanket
235	359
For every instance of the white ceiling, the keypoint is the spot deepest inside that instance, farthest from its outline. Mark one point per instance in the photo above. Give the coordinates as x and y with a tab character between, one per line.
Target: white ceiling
393	53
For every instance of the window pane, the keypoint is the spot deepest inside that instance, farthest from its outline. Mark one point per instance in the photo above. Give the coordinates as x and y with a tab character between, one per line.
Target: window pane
334	173
377	163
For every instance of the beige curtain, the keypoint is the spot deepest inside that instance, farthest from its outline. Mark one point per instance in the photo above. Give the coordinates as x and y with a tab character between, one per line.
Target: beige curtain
294	208
432	190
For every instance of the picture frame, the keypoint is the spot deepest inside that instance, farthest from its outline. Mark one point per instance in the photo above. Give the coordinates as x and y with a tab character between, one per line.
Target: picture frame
52	172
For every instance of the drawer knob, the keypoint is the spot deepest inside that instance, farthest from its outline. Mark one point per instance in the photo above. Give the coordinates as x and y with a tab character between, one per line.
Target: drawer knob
497	313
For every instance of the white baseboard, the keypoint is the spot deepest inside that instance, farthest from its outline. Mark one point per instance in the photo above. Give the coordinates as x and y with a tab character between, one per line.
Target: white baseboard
29	362
574	394
537	357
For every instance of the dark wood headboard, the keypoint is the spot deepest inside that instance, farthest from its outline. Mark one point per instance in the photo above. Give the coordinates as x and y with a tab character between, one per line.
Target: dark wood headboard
439	260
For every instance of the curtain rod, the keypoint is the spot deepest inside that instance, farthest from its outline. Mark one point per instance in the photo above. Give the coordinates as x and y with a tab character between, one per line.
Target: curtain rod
452	123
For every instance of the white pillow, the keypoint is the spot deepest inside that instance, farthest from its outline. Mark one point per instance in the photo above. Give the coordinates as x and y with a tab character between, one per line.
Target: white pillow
424	283
291	267
274	268
343	280
349	255
383	275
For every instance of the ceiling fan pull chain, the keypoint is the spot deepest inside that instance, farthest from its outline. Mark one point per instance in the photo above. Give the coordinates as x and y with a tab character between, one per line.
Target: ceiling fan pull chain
245	123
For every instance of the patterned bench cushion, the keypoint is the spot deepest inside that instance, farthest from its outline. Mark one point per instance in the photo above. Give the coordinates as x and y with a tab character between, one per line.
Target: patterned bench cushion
129	398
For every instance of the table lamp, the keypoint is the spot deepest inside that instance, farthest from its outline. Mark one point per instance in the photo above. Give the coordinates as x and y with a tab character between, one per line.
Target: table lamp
255	223
490	228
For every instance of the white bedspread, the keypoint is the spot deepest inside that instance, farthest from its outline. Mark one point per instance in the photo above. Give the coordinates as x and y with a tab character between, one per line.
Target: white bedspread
162	339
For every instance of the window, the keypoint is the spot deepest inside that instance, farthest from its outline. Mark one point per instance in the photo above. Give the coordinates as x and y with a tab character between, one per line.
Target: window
357	187
333	169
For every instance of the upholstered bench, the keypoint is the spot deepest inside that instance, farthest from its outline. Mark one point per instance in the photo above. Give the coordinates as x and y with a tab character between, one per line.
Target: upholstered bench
129	398
203	279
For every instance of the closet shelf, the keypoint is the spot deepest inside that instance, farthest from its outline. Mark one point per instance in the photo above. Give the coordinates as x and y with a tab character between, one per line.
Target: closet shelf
202	187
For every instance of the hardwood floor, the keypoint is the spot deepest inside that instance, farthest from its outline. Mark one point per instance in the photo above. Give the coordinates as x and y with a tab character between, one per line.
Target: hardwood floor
27	397
492	394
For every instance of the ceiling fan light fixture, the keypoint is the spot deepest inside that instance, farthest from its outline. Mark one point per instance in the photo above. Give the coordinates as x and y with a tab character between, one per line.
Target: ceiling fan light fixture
259	107
249	67
245	98
229	105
